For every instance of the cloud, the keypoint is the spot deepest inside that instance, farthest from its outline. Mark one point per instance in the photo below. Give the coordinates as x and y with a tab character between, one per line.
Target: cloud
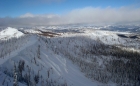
27	15
84	15
102	15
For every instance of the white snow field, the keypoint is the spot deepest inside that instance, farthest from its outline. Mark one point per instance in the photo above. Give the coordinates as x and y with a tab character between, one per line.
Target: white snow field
9	33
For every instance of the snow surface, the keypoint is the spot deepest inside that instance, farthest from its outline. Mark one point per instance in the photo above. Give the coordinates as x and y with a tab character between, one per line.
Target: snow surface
61	68
10	32
16	52
32	31
107	37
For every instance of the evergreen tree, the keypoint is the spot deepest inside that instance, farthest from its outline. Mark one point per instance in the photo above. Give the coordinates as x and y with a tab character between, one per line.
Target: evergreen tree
15	81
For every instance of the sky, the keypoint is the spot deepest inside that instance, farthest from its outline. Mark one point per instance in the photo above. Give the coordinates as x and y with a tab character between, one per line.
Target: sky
55	12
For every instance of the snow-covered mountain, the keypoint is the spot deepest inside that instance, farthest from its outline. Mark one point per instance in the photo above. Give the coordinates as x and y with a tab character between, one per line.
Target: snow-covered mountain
83	57
10	33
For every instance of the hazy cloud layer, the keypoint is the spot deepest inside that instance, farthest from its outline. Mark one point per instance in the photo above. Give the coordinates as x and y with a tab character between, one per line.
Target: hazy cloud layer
85	15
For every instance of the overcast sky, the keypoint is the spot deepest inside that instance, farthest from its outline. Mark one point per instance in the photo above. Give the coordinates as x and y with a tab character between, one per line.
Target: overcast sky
56	12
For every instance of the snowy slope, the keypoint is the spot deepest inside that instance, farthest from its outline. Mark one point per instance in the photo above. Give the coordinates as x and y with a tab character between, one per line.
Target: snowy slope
107	37
32	31
62	70
10	32
20	46
66	60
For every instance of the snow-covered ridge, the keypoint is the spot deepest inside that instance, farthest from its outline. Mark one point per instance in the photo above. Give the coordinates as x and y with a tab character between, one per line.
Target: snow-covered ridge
32	31
60	69
75	58
10	32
